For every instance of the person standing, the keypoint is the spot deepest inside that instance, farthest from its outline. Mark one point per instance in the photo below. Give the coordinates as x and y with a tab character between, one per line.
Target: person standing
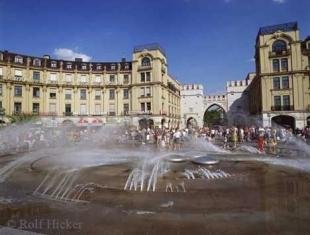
261	142
177	140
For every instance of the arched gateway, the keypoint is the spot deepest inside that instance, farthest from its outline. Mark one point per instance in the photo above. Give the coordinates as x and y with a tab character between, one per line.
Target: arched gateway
191	123
146	123
215	115
284	121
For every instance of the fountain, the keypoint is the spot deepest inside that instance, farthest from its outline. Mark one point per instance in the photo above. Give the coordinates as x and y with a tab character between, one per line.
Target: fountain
113	188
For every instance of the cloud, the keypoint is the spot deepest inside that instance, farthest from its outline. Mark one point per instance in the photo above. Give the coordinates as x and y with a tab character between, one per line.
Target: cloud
68	54
279	1
252	60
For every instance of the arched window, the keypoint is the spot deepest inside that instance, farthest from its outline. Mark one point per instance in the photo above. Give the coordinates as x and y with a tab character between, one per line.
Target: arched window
279	46
146	61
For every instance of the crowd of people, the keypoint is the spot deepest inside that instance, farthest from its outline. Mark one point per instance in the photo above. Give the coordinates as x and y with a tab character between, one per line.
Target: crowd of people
17	139
229	138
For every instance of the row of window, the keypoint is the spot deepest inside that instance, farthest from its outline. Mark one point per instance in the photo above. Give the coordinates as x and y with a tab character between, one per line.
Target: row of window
36	76
18	91
281	83
172	99
68	108
69	77
37	62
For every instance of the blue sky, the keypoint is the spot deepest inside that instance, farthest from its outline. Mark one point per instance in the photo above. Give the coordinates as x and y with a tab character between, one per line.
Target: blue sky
207	41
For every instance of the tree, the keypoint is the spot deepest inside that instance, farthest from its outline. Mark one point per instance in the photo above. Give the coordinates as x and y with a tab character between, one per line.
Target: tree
212	117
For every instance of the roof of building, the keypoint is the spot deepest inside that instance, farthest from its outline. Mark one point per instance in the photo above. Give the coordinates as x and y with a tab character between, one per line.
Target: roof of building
109	66
150	47
286	27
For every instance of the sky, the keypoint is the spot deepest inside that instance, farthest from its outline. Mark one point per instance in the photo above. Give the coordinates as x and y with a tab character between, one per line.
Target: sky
206	41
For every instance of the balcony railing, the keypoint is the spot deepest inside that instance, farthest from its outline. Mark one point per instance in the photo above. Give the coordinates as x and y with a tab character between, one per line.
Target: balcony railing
282	108
67	114
140	112
18	78
35	80
279	53
144	67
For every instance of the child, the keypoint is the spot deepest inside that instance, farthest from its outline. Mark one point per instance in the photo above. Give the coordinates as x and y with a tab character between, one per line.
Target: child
261	143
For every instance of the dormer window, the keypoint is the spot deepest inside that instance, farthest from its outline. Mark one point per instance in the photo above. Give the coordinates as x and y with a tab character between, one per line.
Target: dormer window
18	59
84	67
308	45
113	67
36	62
279	46
98	67
146	61
69	66
53	64
126	66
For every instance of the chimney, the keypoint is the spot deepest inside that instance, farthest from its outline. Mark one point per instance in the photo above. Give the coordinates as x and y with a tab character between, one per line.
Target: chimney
123	59
78	59
46	57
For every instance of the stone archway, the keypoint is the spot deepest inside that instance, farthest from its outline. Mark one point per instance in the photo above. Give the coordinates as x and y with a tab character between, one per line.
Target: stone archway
215	115
145	123
284	121
191	123
67	122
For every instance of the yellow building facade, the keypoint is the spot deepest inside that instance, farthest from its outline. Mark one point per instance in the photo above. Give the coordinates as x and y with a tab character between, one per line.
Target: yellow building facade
280	92
138	92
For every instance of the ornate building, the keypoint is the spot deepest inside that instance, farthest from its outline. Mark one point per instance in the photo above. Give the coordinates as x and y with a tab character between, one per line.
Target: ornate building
280	93
137	92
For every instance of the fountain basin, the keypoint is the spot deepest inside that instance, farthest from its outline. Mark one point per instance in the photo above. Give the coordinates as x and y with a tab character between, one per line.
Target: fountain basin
176	158
204	160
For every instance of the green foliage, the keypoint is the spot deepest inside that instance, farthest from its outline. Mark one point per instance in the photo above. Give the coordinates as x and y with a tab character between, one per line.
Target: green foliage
212	117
